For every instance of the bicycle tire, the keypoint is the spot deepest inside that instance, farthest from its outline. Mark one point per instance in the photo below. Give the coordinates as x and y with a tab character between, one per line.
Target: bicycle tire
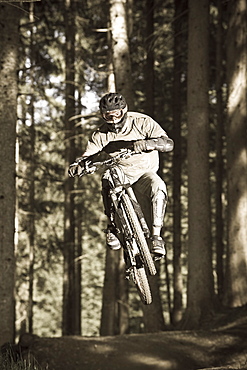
141	281
139	236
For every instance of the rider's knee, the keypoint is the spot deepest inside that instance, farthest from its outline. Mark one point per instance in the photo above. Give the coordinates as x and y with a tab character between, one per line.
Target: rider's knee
159	187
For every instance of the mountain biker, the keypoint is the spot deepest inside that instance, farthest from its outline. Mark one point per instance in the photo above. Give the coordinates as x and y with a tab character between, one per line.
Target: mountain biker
123	129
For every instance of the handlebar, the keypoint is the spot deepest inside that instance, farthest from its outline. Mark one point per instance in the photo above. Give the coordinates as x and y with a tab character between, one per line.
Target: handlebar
90	166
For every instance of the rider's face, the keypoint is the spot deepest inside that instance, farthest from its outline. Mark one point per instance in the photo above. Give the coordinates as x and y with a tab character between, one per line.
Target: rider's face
113	116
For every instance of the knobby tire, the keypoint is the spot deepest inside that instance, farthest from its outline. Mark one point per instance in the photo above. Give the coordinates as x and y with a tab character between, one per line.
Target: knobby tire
139	235
141	281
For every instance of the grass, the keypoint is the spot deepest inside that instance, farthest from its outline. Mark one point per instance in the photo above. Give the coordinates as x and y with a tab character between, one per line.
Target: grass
12	359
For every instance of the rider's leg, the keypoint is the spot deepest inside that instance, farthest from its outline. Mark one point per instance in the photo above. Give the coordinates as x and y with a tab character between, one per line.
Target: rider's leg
112	240
159	201
150	185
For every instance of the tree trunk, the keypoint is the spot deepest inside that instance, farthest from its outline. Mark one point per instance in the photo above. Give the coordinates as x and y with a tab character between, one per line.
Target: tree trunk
109	313
78	268
219	165
79	217
123	82
153	317
236	270
109	324
120	51
149	67
200	277
179	50
69	284
9	45
31	226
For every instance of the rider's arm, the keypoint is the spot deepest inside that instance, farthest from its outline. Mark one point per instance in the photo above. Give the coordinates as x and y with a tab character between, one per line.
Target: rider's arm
93	146
155	137
162	144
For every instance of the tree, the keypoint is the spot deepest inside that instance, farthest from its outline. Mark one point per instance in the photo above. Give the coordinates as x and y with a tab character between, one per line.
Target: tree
109	318
153	317
71	321
31	225
9	44
109	324
179	20
219	162
120	51
123	84
200	277
236	270
149	66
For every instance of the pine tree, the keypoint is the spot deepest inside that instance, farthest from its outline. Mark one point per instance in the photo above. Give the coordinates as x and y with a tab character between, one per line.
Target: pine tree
236	269
200	277
179	51
9	45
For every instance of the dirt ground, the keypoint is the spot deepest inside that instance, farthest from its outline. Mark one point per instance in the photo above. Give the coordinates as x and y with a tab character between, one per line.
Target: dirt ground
223	347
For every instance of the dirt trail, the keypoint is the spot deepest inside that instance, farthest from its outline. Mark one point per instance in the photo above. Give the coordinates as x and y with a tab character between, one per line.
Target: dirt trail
177	350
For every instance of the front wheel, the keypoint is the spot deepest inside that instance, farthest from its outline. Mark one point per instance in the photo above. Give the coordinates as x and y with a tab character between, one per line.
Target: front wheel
141	281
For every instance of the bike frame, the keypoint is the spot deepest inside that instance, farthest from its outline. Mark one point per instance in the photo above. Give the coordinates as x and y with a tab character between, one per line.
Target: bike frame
131	221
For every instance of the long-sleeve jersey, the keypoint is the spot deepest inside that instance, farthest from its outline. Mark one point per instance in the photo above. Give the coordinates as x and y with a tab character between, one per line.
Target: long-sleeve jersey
138	126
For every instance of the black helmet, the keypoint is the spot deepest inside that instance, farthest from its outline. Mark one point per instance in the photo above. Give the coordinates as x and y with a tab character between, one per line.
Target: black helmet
112	101
113	108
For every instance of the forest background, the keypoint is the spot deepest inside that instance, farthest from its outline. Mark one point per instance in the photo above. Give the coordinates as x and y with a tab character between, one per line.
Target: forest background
185	65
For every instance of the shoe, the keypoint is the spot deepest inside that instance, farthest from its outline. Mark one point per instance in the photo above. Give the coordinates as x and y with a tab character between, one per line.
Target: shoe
158	247
112	240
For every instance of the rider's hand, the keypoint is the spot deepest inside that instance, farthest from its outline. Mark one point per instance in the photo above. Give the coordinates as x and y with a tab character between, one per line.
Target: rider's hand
140	146
80	167
76	168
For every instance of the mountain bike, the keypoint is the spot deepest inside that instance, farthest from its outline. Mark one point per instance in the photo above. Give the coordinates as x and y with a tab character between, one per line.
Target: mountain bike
129	220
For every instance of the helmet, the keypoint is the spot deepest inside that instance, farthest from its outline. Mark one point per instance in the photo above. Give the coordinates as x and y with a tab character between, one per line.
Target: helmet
113	108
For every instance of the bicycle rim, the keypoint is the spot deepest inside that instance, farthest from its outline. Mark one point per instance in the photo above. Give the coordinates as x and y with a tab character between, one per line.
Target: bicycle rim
139	236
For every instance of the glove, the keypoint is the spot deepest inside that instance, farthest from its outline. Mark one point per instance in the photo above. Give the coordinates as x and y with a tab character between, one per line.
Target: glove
140	146
76	168
80	167
162	144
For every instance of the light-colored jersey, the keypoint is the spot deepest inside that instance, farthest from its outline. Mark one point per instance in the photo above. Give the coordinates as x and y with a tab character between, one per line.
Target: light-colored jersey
137	126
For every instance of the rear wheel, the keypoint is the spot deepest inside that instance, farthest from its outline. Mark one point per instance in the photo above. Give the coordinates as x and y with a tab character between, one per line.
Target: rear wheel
139	235
140	279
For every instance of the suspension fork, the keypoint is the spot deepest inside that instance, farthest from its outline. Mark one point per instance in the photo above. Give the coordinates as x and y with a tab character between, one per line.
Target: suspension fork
138	211
116	199
130	243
